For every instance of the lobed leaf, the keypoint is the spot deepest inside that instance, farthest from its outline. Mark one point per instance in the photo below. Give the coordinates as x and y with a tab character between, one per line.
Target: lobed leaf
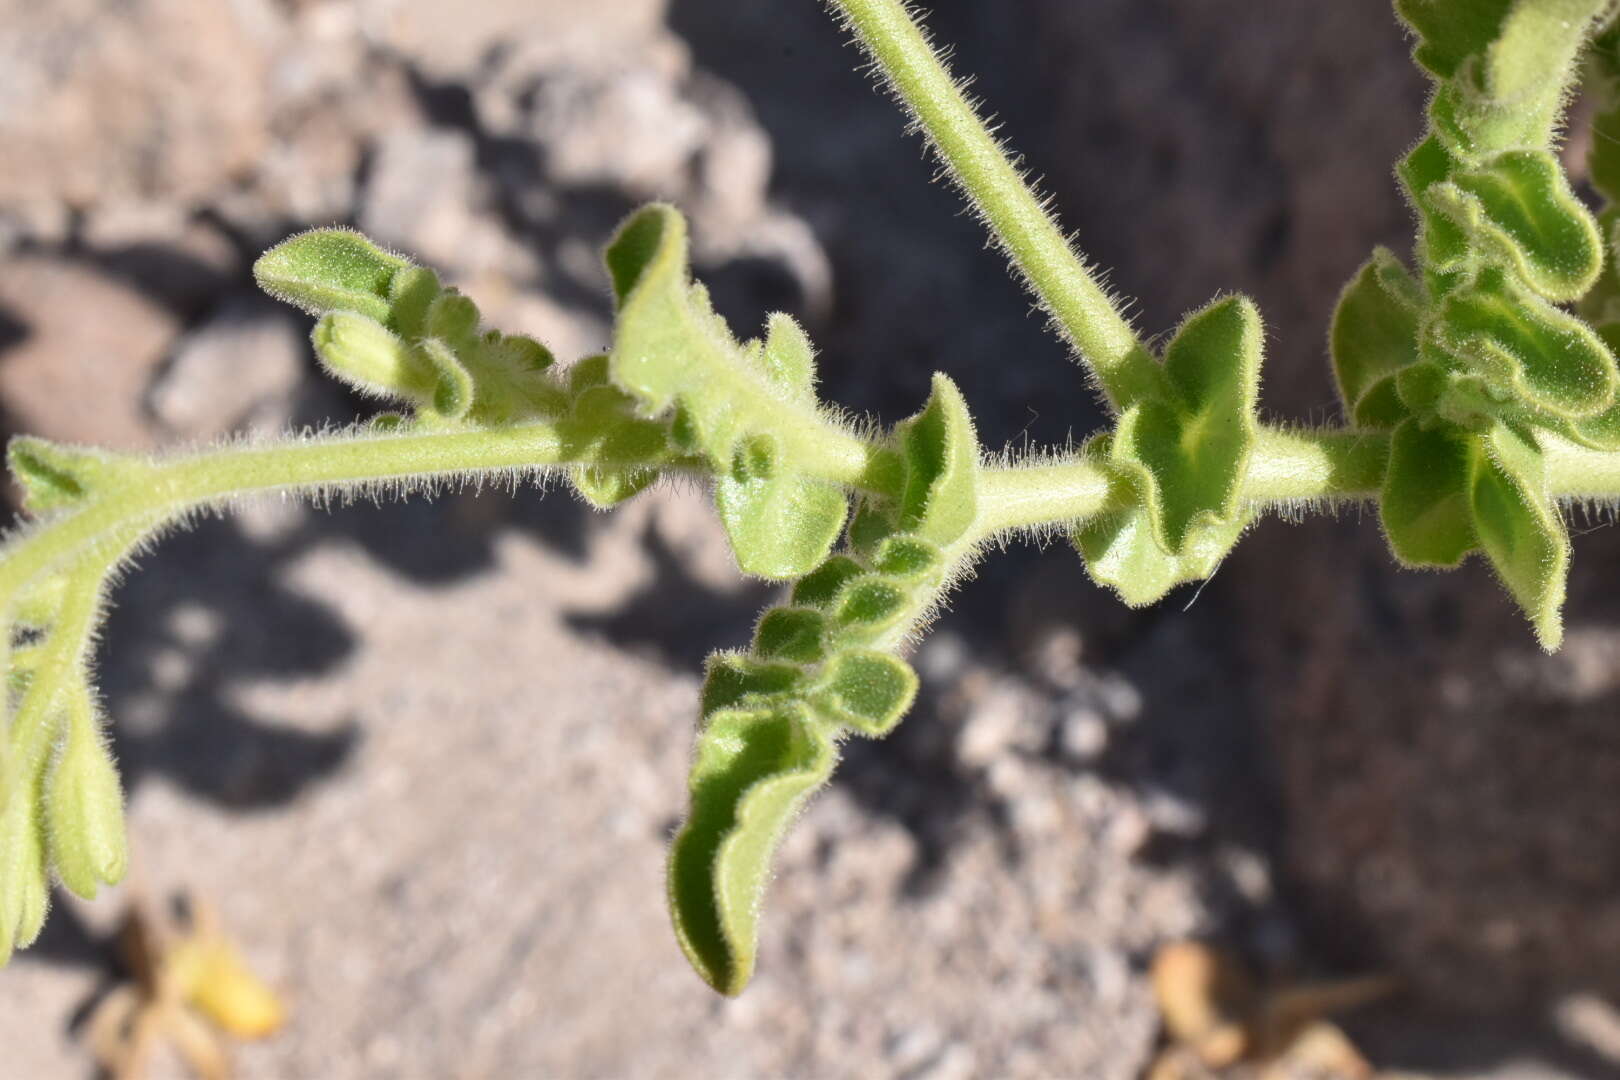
1122	552
1527	348
1189	448
1518	210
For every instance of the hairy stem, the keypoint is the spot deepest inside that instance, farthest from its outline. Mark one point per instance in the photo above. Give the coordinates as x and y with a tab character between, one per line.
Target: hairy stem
1286	467
1019	219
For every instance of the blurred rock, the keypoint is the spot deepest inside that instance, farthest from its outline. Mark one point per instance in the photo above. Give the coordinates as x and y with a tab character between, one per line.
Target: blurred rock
87	348
154	99
239	370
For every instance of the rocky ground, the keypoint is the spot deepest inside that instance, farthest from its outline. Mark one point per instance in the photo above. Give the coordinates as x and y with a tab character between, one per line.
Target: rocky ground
424	758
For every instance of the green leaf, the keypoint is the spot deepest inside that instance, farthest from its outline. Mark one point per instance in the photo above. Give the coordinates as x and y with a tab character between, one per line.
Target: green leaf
453	388
909	559
602	425
1442	245
1450	31
753	771
1520	529
795	635
509	372
453	319
327	270
1519	209
24	882
1381	405
674	354
54	477
1195	443
788	358
868	607
604	489
1509	94
732	679
780	524
820	587
1424	505
1527	348
869	691
1421	387
1122	553
1374	331
84	809
411	293
362	352
939	501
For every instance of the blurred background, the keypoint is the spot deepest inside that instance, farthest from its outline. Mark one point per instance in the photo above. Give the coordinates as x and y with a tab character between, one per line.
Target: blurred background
424	758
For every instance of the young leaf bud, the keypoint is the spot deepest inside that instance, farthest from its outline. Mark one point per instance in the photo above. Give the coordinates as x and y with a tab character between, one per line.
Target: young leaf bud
53	476
84	808
369	357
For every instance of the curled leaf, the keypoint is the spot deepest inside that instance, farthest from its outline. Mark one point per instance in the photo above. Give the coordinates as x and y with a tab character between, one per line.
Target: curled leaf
939	501
24	884
1519	209
1527	348
326	270
1197	444
84	818
453	386
361	351
779	525
1520	530
753	771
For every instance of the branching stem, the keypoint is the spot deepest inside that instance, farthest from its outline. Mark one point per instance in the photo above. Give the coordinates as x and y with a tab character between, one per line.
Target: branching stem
1020	220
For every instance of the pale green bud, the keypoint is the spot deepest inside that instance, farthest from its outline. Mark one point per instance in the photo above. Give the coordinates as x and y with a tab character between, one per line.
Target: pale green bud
84	810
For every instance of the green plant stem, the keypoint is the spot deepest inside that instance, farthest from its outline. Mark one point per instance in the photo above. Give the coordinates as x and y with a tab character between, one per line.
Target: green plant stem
1019	219
357	461
352	462
32	729
1575	472
1285	467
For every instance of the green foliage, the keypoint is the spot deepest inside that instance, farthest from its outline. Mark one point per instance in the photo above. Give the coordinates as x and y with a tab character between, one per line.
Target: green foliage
1488	371
1180	454
1480	388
